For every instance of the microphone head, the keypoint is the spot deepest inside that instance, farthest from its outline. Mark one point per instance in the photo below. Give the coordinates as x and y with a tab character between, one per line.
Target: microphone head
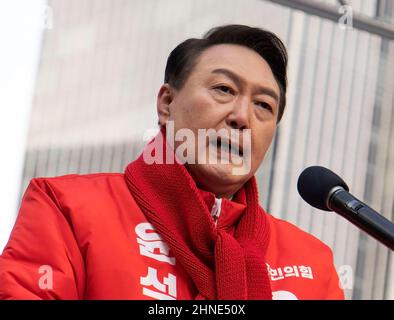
315	183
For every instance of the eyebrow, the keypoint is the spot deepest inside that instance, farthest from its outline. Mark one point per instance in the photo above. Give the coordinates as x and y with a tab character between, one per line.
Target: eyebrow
240	82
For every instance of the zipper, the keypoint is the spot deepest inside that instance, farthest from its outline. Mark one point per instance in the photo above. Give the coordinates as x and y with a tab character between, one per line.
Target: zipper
217	206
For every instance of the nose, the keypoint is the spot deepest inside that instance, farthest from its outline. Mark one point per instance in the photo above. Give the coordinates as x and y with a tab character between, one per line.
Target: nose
239	116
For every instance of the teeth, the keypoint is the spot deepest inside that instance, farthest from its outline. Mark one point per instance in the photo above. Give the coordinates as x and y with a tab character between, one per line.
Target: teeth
225	146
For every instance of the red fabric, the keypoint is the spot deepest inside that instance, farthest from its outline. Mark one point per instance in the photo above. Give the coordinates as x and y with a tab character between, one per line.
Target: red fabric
83	226
222	265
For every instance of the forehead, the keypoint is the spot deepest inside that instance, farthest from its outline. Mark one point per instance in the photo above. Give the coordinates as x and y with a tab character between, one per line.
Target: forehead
239	59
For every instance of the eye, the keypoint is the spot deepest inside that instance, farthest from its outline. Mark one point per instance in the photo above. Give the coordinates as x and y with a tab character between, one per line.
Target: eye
264	105
225	89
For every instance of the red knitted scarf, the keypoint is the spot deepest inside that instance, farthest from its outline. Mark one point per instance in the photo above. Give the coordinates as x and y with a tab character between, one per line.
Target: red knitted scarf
222	266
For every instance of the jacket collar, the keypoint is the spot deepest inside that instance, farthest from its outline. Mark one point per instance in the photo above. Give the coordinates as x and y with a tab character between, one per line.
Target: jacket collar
230	211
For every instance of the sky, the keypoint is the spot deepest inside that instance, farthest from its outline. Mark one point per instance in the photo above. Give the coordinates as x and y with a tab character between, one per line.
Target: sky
22	23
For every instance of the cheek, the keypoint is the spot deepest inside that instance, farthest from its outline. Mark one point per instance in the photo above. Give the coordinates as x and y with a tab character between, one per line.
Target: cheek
261	142
196	112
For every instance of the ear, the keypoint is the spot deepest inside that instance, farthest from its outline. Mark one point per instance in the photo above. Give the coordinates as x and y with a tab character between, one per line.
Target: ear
164	99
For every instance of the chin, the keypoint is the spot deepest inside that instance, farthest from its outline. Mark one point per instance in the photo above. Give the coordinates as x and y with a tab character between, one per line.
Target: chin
209	175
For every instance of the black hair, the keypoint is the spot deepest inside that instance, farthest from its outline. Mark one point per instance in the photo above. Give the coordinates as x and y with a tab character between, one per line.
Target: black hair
184	57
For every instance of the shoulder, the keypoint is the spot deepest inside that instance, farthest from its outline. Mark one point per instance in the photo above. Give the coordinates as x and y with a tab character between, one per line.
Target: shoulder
94	198
78	187
79	180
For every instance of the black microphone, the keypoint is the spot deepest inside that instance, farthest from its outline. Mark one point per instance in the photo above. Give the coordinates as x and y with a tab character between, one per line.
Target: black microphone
325	190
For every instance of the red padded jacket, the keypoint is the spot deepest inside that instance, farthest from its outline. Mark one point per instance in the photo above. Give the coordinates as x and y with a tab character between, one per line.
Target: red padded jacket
84	237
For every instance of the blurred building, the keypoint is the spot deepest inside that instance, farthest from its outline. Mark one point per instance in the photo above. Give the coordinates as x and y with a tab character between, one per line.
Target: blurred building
103	62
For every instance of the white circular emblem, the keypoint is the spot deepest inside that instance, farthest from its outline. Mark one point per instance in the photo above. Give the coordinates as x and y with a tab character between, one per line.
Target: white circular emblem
283	295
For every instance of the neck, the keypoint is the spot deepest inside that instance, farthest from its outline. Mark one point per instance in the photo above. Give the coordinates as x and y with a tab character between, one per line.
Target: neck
226	193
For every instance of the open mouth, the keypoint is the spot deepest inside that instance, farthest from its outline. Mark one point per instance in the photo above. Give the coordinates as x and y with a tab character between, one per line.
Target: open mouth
230	148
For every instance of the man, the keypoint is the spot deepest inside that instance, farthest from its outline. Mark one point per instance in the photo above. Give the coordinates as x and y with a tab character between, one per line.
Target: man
176	225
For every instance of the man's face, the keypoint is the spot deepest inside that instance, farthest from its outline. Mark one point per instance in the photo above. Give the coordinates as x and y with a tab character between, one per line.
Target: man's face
231	87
